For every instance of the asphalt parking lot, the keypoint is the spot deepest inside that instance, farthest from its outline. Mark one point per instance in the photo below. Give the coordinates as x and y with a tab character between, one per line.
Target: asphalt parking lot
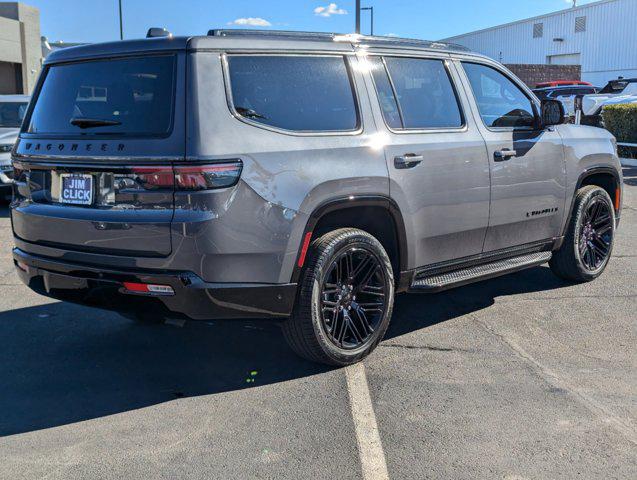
521	377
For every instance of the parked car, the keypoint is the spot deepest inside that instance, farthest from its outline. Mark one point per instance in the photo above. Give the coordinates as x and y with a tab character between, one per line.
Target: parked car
12	110
614	92
565	94
306	177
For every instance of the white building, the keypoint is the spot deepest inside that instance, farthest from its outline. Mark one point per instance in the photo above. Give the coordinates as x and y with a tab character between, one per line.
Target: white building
20	51
599	36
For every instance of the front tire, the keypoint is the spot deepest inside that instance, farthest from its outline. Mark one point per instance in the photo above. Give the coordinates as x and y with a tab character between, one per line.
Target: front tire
345	299
589	239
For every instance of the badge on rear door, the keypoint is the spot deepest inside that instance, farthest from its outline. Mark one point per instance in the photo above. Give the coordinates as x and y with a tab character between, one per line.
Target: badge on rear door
76	189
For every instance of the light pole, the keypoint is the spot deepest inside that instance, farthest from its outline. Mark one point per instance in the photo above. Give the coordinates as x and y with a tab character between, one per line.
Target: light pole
121	25
371	9
357	28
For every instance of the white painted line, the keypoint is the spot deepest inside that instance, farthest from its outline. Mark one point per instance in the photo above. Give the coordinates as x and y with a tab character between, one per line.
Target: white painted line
370	448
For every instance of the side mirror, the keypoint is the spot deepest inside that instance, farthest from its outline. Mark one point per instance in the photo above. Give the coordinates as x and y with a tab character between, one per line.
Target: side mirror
553	113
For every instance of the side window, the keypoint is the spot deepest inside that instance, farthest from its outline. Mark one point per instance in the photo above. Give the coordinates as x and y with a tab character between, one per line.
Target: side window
422	93
385	93
500	101
299	93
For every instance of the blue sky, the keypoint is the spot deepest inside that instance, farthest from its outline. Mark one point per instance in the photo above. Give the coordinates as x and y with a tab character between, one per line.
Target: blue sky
97	20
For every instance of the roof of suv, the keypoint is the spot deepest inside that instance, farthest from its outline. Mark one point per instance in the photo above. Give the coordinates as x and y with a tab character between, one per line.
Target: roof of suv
245	39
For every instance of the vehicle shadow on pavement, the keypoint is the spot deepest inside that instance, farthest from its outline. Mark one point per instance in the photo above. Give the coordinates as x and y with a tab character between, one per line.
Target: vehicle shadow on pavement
416	311
62	363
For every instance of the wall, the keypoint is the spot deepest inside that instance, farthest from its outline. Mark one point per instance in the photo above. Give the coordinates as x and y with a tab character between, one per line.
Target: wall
20	40
8	79
607	46
534	74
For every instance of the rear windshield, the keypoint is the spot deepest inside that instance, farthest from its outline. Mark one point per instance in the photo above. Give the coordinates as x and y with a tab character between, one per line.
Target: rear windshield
126	96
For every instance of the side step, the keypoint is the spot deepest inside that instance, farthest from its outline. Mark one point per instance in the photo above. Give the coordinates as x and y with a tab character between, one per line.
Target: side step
435	282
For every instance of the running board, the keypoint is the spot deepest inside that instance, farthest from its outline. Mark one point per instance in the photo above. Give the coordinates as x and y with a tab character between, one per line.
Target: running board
435	282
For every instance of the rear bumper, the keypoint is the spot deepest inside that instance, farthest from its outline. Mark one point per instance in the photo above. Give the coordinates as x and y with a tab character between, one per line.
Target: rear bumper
193	298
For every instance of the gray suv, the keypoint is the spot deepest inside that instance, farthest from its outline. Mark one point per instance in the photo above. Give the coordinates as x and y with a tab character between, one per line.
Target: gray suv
307	177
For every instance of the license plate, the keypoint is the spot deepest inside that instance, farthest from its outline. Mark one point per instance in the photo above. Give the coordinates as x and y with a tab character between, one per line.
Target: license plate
76	189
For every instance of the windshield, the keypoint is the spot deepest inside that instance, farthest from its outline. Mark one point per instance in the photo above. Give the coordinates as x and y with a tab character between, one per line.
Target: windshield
126	96
12	114
616	86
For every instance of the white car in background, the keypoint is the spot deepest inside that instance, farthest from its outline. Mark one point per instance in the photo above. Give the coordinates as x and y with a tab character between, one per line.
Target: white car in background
622	90
12	111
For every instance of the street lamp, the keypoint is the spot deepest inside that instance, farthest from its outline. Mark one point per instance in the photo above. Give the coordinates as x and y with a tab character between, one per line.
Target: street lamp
371	9
357	29
121	25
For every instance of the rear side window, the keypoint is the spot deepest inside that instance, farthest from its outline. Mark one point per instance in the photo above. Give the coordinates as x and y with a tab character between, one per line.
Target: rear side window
500	101
419	89
126	96
298	93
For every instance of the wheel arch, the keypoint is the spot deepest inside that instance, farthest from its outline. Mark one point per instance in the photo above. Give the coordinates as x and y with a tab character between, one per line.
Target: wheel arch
367	212
604	177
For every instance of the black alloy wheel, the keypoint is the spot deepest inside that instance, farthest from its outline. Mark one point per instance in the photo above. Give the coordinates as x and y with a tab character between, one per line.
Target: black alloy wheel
345	298
353	297
596	235
589	236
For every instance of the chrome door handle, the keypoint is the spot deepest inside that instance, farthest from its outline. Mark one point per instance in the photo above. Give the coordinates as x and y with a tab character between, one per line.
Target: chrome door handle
408	160
504	154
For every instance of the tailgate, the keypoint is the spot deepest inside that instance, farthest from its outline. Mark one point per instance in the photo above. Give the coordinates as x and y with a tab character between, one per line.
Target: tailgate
94	159
127	212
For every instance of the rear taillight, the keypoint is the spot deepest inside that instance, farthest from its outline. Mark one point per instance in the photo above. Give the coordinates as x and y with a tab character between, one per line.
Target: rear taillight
189	177
203	177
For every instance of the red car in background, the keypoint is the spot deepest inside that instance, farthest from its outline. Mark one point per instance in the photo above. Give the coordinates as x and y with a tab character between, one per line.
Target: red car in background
560	83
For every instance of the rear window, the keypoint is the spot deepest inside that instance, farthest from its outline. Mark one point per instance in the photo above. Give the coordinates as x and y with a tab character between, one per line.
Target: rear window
127	96
298	93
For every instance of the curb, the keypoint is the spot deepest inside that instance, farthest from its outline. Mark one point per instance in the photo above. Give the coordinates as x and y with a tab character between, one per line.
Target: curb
628	162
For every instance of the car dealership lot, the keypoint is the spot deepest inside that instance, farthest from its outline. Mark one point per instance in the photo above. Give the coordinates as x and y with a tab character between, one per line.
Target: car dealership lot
524	376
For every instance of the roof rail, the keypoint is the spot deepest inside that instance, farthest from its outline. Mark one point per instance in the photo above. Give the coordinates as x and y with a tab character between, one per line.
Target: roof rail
338	37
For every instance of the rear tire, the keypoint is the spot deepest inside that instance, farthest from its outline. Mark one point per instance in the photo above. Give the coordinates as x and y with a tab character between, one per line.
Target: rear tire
589	239
345	299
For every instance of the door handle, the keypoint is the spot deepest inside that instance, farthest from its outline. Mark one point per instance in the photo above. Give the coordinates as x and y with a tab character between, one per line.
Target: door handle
408	160
504	154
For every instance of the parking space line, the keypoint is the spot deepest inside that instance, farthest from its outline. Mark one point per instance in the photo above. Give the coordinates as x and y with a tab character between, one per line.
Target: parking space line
370	448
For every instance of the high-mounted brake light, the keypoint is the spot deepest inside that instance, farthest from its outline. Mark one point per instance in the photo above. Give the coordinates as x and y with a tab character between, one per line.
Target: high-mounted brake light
148	288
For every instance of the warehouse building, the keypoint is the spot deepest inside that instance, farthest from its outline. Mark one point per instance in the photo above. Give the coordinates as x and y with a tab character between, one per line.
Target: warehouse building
599	37
20	48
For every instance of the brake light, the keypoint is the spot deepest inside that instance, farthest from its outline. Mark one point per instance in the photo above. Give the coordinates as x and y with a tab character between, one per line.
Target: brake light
203	177
154	177
189	177
148	288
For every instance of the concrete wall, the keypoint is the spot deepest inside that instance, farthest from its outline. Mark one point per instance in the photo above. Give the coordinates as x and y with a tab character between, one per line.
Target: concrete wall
20	40
533	74
8	78
607	46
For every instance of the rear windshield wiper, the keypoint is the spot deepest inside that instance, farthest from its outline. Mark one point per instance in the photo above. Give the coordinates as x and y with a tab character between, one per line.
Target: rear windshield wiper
249	113
93	122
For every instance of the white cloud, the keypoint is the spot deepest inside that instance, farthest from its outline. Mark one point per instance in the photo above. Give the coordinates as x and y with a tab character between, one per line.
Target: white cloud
251	21
329	10
391	35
